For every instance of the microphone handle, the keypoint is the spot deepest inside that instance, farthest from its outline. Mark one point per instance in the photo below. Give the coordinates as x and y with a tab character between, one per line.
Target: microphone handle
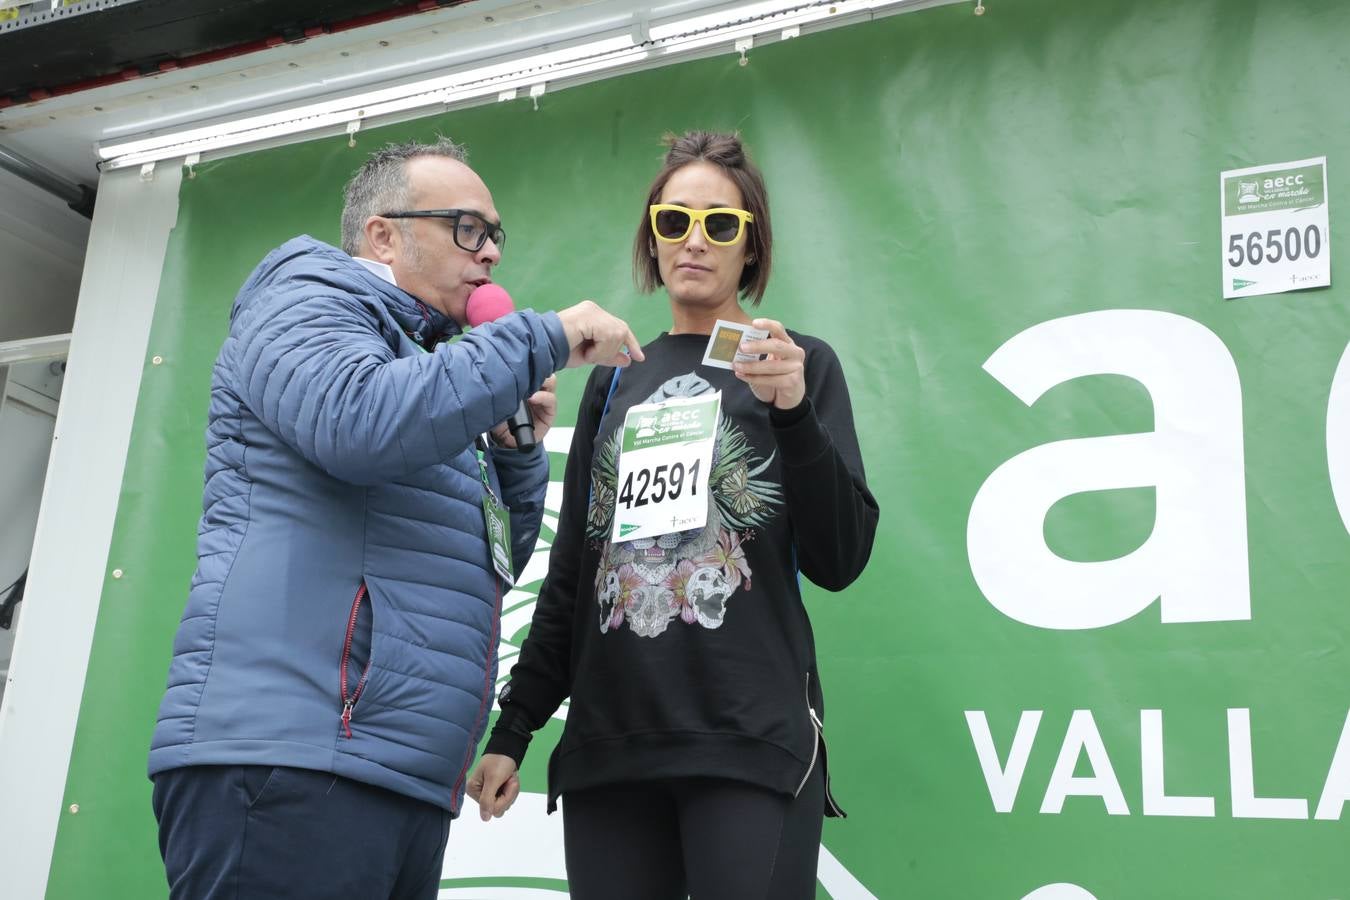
521	424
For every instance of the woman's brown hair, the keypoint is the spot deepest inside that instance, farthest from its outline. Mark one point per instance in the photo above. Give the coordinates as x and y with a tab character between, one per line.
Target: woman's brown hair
727	153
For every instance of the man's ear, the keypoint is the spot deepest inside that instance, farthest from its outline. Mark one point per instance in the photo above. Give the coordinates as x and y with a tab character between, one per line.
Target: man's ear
382	239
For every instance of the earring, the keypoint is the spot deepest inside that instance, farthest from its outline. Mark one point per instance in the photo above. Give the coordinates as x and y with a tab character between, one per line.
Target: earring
750	260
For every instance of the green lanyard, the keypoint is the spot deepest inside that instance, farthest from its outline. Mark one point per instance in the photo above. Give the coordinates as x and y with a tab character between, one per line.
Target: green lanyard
482	470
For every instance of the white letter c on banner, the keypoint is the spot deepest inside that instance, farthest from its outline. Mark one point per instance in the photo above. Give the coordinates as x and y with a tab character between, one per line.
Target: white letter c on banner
1338	437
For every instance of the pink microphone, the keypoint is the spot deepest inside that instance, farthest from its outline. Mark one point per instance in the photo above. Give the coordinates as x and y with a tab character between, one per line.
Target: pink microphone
487	303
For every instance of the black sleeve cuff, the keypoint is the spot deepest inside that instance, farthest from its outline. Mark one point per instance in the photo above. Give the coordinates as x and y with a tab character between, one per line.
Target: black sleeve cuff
511	735
784	418
507	743
801	439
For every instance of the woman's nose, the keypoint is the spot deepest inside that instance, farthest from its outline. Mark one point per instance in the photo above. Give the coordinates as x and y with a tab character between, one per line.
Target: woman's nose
696	238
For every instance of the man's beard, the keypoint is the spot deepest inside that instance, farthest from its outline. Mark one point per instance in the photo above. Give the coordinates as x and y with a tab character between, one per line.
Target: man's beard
416	259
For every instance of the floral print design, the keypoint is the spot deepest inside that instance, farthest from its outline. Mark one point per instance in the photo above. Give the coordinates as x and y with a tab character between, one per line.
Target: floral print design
686	575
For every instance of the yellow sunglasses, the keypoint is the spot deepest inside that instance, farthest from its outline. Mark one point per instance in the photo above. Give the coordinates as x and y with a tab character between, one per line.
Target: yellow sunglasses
721	225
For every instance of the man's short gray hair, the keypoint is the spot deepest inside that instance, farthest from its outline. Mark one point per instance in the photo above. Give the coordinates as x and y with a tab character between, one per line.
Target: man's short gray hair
381	185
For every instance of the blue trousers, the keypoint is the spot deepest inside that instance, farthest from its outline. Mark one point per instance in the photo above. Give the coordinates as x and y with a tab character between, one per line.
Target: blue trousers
264	832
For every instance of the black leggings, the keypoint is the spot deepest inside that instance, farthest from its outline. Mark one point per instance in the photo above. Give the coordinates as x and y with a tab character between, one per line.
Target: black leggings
708	838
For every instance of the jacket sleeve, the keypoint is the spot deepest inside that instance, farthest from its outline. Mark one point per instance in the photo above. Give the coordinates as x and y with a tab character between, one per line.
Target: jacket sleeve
316	370
834	515
541	678
523	475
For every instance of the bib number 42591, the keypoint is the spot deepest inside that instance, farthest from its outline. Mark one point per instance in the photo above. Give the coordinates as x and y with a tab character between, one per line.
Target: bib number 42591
665	482
664	462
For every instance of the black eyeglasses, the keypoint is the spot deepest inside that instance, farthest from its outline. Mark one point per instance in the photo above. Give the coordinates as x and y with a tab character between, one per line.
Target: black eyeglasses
468	229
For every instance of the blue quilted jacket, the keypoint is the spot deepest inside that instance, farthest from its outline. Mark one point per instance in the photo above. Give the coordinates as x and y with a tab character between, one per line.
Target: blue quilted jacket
344	613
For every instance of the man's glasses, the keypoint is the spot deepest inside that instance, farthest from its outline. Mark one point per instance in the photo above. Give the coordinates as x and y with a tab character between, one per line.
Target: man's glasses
469	230
723	225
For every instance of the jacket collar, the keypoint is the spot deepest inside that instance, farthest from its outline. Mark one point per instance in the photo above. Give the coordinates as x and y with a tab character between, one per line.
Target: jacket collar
422	323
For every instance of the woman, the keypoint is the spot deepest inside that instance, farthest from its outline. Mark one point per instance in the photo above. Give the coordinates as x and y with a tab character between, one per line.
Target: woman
692	760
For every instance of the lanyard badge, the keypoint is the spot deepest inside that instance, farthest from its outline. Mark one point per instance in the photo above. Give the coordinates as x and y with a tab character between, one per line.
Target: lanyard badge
497	525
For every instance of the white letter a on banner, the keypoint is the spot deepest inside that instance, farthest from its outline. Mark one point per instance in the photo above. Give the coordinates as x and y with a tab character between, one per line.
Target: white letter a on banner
1196	557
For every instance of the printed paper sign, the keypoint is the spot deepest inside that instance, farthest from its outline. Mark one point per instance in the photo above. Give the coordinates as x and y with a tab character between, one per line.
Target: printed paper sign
1274	225
664	464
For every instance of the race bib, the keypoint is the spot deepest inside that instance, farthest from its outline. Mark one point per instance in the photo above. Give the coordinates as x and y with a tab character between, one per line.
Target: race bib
664	466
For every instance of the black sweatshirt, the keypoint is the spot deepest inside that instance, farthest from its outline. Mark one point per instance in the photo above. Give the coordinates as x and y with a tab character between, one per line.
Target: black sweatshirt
692	654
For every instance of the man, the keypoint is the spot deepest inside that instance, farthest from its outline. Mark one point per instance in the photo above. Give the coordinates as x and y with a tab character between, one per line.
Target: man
334	668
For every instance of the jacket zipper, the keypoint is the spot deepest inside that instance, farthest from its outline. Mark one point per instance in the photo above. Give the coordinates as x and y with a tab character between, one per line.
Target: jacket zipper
819	728
349	702
815	749
815	738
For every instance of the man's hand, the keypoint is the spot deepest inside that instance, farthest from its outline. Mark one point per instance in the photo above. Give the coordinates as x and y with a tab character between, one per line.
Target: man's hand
779	379
543	409
598	338
494	784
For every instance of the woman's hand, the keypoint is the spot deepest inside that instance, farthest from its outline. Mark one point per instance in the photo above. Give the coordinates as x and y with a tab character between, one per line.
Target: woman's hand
779	378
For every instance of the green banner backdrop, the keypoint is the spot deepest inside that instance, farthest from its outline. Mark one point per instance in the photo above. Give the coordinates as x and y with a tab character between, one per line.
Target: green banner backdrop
1007	226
